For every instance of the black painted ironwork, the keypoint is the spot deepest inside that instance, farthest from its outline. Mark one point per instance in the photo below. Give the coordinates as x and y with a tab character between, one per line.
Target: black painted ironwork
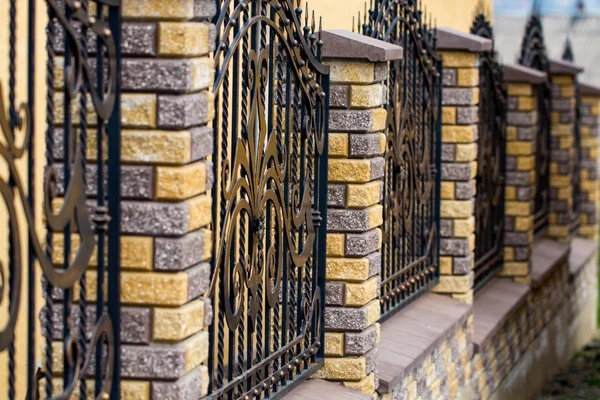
84	222
270	161
491	171
410	262
576	172
534	55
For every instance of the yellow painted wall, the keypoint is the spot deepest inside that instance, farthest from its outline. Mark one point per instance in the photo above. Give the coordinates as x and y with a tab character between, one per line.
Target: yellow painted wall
39	115
337	14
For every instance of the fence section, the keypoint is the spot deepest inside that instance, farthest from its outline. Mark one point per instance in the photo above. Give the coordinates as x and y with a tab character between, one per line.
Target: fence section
410	252
271	199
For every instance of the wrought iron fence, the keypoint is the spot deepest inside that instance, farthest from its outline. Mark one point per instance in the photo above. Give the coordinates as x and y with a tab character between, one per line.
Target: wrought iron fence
271	166
410	251
81	216
576	173
491	161
533	55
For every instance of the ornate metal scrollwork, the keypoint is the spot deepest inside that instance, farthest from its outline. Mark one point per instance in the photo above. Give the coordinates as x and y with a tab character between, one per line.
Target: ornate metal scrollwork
411	219
68	213
533	55
268	279
489	199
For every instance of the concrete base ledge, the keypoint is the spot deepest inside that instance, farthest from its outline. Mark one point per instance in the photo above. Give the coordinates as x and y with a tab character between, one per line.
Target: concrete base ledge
582	251
412	334
318	389
546	256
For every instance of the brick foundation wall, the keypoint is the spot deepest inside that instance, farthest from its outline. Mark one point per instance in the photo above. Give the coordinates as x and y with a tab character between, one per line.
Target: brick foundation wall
588	211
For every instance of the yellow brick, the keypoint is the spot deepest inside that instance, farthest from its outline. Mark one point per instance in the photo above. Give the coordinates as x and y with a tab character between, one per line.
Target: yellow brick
203	73
363	195
175	324
517	208
359	294
196	350
566	142
338	145
373	312
351	71
343	369
515	269
138	110
561	130
562	79
527	103
590	100
525	163
464	227
200	212
560	181
459	59
555	117
336	244
466	152
558	231
183	38
567	91
347	269
368	96
135	390
523	223
457	134
154	288
154	147
510	193
511	133
456	208
181	182
350	171
375	216
453	284
509	254
379	119
158	9
468	77
207	243
382	143
334	344
519	148
520	89
449	115
565	193
447	190
466	298
365	385
446	265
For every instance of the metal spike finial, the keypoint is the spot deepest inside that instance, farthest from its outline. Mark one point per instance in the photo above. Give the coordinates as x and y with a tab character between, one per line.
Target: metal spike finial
358	24
313	25
537	8
353	22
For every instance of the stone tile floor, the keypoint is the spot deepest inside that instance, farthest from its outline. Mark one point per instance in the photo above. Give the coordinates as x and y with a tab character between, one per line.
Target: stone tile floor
581	381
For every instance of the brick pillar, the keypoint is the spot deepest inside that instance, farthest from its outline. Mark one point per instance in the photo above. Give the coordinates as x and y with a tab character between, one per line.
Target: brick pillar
588	211
460	116
167	106
522	128
562	145
356	167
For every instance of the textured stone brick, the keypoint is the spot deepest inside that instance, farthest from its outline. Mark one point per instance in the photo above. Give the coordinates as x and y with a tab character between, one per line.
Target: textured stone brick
202	142
449	77
351	319
354	220
466	152
456	209
367	385
138	110
458	134
175	254
446	227
357	120
185	38
163	147
359	294
454	247
334	293
171	75
468	77
460	96
178	183
351	171
361	342
338	145
334	344
370	96
515	269
521	118
519	89
519	148
454	284
336	244
459	59
339	96
462	265
528	103
336	195
517	208
464	190
135	390
176	324
448	152
194	384
362	244
343	369
365	145
449	115
347	71
363	195
185	111
138	39
348	269
464	227
467	115
456	171
447	190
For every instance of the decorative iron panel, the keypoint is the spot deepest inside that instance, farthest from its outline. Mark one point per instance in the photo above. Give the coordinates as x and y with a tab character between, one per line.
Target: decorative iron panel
271	191
576	173
81	215
491	149
410	251
533	55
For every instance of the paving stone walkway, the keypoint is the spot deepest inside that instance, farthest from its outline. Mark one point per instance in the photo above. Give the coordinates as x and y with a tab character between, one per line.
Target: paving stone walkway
581	381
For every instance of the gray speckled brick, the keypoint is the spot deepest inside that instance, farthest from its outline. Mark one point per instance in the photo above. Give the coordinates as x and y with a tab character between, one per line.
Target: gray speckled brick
463	190
364	145
208	311
457	97
361	244
526	133
151	218
521	253
138	39
524	193
374	264
456	171
182	111
176	254
559	206
446	228
381	71
339	96
513	103
345	319
357	344
202	142
377	168
454	247
336	195
462	265
509	223
467	115
185	388
516	239
566	118
524	118
517	178
449	77
448	152
372	359
198	280
562	105
560	155
350	121
204	9
162	361
143	74
334	293
511	163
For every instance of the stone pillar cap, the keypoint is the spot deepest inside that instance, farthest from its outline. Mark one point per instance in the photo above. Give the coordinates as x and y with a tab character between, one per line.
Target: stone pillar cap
345	44
452	39
522	74
589	89
562	67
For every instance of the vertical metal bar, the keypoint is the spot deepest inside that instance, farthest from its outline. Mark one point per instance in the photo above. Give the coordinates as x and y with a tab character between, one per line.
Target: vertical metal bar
438	164
114	204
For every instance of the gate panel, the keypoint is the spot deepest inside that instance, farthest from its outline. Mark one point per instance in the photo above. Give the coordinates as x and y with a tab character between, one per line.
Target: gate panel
80	250
411	184
271	178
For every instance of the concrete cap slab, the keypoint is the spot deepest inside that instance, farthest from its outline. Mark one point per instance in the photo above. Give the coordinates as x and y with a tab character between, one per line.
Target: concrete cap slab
345	44
521	74
561	67
589	89
452	39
